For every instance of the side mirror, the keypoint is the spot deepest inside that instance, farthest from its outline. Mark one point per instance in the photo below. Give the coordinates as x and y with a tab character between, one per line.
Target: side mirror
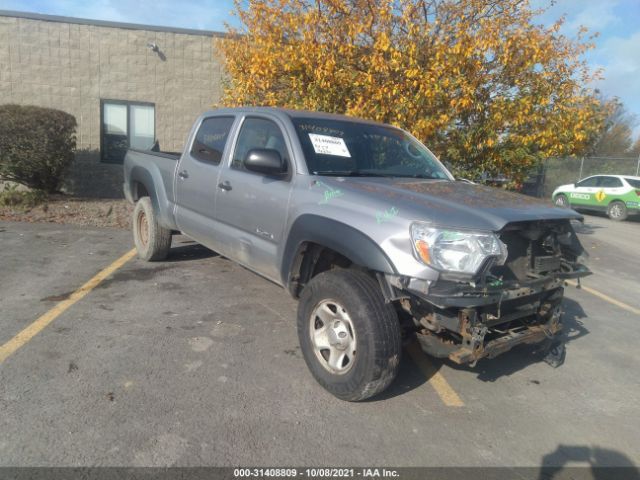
265	160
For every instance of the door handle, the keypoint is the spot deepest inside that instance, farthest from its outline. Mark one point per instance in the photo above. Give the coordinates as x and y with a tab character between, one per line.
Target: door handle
225	186
183	174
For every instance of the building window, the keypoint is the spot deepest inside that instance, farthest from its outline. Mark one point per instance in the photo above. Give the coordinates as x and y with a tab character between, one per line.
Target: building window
125	125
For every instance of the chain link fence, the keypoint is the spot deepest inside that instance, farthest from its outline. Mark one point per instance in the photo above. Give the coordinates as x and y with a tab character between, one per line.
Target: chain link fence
560	171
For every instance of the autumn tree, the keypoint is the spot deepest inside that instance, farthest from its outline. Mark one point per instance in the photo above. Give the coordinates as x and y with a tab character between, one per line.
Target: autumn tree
483	85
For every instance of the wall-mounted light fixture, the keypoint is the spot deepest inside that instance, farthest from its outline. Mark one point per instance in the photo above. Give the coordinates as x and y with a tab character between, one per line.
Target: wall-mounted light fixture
153	46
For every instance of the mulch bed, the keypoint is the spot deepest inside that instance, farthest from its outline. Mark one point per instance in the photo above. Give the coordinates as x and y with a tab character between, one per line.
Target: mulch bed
95	212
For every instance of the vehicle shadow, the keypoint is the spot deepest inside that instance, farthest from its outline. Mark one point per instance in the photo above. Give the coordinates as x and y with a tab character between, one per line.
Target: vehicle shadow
591	213
409	378
601	463
488	370
585	228
574	327
188	250
522	356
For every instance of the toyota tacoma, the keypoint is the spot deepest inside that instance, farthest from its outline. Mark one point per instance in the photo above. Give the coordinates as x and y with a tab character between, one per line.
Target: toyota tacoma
362	224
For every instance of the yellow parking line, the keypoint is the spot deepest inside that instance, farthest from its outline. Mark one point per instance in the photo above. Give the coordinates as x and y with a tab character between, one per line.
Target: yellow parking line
446	393
606	298
36	327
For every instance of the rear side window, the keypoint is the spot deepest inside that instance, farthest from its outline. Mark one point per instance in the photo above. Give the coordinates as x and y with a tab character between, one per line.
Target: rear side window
634	183
211	138
610	182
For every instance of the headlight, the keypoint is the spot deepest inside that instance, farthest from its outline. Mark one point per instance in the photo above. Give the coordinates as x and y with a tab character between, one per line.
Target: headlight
453	250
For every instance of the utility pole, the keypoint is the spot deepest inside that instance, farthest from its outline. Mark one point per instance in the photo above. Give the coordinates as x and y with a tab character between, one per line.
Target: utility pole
581	165
638	167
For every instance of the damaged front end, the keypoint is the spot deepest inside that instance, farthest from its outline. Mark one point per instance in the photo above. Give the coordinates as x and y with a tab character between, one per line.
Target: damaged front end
501	306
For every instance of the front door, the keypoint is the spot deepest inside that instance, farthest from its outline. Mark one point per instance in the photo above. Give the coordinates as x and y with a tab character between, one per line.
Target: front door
251	207
197	177
584	192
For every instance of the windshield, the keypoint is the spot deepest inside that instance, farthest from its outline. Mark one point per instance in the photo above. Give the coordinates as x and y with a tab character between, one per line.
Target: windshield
334	147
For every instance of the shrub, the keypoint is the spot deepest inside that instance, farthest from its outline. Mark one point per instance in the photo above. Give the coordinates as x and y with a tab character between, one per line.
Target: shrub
36	145
12	196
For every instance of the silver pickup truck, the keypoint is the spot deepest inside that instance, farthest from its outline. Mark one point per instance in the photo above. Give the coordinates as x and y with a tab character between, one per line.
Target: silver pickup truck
369	231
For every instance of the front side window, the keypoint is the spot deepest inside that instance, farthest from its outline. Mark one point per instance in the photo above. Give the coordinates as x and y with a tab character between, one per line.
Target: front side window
258	133
208	146
588	182
336	147
126	125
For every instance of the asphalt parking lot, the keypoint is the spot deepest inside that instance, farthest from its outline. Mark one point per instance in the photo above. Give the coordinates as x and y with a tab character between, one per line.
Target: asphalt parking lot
195	361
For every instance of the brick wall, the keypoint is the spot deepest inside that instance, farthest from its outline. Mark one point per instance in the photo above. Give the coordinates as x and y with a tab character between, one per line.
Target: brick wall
72	66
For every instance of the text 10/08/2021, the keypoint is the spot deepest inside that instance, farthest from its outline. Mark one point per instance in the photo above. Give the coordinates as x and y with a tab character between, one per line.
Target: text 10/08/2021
314	472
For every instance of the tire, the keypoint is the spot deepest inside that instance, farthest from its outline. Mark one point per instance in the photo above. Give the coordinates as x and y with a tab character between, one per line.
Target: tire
361	330
152	240
617	211
561	201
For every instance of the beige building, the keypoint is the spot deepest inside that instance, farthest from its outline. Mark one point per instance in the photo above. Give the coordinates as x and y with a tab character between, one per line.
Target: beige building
127	85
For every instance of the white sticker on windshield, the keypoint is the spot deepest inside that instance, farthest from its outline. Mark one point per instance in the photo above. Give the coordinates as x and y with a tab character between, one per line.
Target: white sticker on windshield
326	145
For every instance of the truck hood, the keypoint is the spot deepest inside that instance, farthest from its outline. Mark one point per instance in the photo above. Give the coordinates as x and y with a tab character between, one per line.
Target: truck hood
448	203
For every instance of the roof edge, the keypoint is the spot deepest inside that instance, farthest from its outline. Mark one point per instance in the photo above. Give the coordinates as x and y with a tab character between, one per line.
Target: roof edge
105	23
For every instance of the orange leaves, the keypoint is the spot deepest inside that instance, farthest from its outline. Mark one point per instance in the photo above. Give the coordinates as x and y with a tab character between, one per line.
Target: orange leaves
482	85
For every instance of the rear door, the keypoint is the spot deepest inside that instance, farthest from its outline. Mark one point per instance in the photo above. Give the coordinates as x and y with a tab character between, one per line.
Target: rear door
197	178
252	207
611	188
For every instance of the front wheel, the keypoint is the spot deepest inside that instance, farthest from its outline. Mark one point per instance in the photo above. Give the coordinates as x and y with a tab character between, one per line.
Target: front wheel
349	336
561	201
152	240
617	211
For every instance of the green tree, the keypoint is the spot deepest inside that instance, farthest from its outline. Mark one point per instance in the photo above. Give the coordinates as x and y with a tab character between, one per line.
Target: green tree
616	137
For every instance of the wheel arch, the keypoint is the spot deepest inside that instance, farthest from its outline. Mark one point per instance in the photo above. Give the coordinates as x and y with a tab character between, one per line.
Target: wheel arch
624	212
315	243
143	183
557	194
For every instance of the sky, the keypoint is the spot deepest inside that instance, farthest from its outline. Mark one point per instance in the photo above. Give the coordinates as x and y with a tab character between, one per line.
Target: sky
617	21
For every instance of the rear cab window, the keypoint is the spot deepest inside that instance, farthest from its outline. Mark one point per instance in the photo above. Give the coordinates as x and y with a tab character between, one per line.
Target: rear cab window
212	136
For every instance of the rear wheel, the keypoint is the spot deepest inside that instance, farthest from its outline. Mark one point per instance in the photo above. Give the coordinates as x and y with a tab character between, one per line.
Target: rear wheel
561	201
617	210
151	239
349	337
